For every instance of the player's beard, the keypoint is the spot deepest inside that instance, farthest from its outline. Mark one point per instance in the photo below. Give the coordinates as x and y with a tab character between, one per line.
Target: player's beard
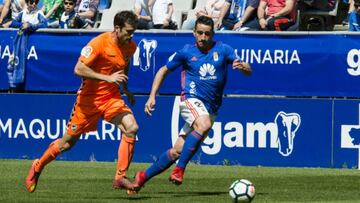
205	44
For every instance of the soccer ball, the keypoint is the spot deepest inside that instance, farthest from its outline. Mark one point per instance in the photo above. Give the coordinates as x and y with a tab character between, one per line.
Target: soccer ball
242	191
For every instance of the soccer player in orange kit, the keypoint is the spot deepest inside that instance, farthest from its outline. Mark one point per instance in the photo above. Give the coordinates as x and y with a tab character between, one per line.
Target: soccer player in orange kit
103	66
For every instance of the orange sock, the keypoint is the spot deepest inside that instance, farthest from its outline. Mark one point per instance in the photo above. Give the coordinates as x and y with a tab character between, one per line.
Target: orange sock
49	155
125	154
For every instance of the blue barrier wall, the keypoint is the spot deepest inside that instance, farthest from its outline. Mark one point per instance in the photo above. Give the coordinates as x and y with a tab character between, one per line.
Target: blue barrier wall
248	131
299	64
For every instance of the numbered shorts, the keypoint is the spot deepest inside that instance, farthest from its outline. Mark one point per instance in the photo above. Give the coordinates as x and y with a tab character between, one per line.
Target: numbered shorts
86	114
190	109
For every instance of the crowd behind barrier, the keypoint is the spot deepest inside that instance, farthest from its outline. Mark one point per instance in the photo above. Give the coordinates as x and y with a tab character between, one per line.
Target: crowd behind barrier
320	15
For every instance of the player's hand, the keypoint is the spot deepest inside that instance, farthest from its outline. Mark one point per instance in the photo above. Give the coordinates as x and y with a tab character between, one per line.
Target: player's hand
149	106
130	96
242	66
118	77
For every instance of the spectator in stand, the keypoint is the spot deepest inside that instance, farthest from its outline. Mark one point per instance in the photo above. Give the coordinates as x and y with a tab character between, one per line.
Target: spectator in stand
276	15
142	9
52	10
230	14
162	12
249	15
211	9
2	2
87	10
31	18
354	16
10	11
70	19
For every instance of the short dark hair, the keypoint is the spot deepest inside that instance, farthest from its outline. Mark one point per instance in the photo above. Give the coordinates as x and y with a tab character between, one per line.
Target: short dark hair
31	1
205	21
123	17
74	1
356	3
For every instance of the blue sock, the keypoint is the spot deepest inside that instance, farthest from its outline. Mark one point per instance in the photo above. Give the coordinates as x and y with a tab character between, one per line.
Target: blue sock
191	145
163	163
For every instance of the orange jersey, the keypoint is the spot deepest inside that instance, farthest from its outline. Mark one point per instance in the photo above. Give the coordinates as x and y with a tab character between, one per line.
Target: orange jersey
99	99
104	56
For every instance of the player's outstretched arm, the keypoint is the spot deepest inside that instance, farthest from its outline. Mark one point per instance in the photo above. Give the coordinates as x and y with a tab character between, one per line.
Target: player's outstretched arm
242	66
86	72
159	78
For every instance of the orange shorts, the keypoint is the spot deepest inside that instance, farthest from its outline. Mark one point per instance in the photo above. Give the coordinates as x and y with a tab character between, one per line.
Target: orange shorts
87	112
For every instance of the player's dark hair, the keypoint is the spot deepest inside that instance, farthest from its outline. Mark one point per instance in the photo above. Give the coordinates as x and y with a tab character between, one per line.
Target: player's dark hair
205	21
123	17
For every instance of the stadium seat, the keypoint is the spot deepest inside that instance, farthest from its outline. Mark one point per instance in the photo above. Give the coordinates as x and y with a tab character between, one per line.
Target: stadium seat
295	27
200	4
319	16
107	17
191	14
122	5
181	8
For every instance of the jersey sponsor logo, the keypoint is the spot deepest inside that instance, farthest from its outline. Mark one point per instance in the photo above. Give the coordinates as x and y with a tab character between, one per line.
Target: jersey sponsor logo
353	61
282	133
144	56
207	72
350	136
86	51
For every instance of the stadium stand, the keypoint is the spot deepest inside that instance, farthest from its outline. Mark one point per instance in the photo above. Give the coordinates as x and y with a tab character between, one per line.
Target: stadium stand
295	27
181	8
191	14
108	14
325	19
103	4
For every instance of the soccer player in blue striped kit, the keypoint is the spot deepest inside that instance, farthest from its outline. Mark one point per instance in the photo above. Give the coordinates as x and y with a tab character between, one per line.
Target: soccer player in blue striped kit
204	74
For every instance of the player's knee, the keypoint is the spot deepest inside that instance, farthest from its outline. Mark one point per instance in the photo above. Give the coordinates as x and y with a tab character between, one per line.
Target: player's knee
203	127
67	142
132	129
175	154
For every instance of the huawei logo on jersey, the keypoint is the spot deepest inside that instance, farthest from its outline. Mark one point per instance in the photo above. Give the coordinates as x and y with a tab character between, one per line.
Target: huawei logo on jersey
207	72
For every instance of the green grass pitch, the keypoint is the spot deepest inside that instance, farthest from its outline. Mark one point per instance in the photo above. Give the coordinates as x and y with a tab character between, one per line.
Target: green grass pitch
63	181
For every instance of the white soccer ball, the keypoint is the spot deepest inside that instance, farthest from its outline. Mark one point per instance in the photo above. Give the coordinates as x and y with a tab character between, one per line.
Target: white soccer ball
242	191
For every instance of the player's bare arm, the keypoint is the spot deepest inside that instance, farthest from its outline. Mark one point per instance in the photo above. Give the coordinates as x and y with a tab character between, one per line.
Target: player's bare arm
159	78
86	72
125	89
242	66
